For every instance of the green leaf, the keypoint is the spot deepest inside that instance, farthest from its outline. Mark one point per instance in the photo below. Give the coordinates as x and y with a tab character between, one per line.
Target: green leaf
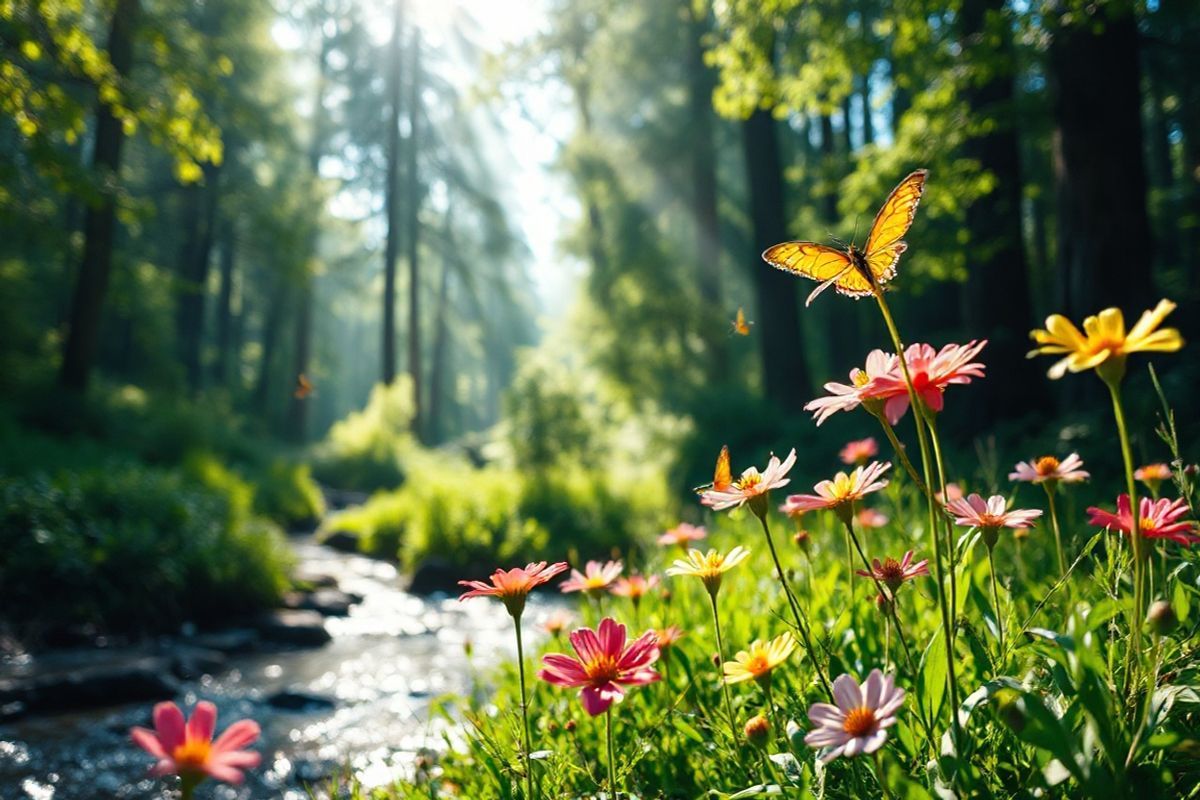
790	766
933	674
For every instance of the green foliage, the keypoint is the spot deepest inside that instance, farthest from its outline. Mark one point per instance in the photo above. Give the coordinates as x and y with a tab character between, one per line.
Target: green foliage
132	549
367	449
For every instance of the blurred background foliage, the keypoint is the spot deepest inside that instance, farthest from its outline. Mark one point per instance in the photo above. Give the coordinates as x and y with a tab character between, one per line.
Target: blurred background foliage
246	247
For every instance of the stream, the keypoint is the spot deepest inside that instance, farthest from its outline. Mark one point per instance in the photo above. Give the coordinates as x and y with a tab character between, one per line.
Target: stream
388	661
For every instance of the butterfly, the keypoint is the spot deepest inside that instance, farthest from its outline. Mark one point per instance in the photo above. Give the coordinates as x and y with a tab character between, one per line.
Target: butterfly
857	273
740	326
304	387
722	475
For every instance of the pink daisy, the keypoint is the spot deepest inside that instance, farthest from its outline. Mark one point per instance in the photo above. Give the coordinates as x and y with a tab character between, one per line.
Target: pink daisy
859	451
187	748
975	512
859	721
870	518
605	662
751	485
1157	519
595	579
683	534
841	491
1049	469
634	587
863	387
514	585
931	372
892	573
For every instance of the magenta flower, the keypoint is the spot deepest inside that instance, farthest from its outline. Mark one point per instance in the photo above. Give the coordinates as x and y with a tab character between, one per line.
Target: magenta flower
595	579
683	534
859	451
1049	469
863	387
751	485
1157	519
892	573
975	512
859	721
605	663
931	372
514	585
841	491
187	748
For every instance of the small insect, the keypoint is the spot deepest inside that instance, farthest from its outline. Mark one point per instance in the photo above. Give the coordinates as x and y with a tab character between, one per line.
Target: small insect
857	273
722	476
740	326
304	387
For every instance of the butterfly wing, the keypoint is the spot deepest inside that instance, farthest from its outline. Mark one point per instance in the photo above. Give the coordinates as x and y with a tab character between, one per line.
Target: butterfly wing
740	326
826	265
722	476
884	243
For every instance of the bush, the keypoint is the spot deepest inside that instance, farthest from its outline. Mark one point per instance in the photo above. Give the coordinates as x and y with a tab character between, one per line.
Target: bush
286	493
366	450
134	550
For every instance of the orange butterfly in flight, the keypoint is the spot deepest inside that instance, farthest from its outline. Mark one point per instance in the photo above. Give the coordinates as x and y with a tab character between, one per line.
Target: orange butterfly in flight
857	273
740	326
304	387
722	476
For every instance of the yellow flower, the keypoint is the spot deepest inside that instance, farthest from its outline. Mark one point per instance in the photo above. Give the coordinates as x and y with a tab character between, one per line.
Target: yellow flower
710	566
757	662
1104	343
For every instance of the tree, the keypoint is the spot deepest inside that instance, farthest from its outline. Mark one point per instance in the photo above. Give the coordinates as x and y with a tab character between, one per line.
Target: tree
391	190
413	181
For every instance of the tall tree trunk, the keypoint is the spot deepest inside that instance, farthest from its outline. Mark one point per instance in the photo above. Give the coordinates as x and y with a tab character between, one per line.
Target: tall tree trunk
270	341
829	210
437	369
847	133
901	96
414	231
391	249
1104	239
199	217
91	284
864	94
785	373
997	300
227	262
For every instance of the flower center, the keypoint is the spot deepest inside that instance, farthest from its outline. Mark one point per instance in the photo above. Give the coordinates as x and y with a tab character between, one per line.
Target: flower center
1095	346
891	573
1146	524
758	664
603	669
859	722
192	755
1046	465
750	480
860	379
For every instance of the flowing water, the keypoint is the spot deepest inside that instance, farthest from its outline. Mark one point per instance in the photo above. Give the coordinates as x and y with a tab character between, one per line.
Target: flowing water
388	662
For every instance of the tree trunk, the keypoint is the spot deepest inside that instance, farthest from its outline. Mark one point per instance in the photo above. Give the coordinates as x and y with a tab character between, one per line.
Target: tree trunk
227	262
864	94
1104	239
414	232
901	98
91	284
847	135
199	218
997	302
391	193
785	373
270	340
437	368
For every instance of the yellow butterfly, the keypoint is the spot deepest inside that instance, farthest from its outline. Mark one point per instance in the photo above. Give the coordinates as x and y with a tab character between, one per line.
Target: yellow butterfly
857	273
304	387
722	475
740	326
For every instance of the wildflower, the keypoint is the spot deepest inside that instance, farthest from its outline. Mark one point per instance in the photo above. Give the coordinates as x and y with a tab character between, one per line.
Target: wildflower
975	512
1104	344
1152	475
1157	519
1050	470
595	579
859	721
862	390
859	452
931	371
681	534
514	585
187	748
634	587
757	662
668	636
952	492
709	567
838	494
605	662
870	518
892	573
558	622
757	730
752	487
802	539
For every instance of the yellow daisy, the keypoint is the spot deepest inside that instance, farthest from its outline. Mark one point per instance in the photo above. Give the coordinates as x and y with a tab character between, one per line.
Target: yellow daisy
709	567
1104	343
757	662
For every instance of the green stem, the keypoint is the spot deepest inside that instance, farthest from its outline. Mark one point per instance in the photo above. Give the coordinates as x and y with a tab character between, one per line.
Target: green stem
850	567
720	674
931	501
881	777
996	605
901	454
1135	542
612	762
524	710
1062	559
787	590
931	422
766	685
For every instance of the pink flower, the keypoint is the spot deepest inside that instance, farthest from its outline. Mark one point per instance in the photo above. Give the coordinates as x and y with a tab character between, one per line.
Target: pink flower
863	387
751	485
605	663
859	452
953	492
975	512
557	622
870	518
682	534
187	748
841	491
668	636
1152	474
512	586
892	573
931	372
1049	469
1157	519
595	578
859	721
634	587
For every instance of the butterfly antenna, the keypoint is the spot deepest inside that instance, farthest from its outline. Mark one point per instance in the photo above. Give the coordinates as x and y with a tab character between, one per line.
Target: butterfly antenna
854	238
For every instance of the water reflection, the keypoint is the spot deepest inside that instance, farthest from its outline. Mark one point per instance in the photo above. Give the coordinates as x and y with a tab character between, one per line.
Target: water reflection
388	661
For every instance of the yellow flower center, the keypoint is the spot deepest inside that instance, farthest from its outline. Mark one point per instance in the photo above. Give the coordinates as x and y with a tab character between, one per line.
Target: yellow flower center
758	664
860	379
749	481
603	668
1099	344
192	755
1146	524
859	722
1046	465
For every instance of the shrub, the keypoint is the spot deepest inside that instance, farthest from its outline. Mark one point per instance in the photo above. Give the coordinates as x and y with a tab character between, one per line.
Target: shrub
366	450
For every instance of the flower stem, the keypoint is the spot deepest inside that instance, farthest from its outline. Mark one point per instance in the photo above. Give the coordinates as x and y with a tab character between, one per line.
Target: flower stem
720	676
524	710
881	776
1135	539
952	555
1062	560
901	454
787	590
926	464
612	762
996	605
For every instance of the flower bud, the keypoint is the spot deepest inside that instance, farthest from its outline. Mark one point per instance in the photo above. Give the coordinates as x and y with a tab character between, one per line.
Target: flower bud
716	659
1161	618
569	726
802	539
883	603
757	730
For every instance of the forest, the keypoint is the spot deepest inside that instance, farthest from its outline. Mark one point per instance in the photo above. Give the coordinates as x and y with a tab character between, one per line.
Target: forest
322	308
